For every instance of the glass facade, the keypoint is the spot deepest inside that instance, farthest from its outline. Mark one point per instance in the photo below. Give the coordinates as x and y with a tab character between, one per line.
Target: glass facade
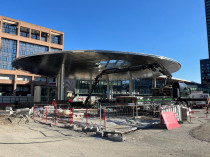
8	53
6	90
10	29
205	63
207	7
23	90
205	71
29	49
40	79
140	87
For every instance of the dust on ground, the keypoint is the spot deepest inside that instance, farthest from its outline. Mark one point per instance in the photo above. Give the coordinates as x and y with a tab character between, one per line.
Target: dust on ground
202	132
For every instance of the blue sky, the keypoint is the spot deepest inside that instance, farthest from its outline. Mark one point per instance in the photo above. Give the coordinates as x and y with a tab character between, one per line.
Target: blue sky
171	28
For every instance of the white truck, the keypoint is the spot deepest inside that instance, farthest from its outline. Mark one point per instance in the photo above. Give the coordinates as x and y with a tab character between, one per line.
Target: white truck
198	94
80	100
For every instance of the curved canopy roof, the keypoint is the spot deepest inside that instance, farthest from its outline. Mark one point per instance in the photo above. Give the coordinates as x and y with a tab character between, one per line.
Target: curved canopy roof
84	64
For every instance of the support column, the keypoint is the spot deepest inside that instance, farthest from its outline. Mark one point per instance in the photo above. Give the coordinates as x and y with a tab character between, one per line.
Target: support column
62	81
40	35
58	82
15	85
154	82
90	82
107	87
111	90
90	86
130	84
29	32
32	85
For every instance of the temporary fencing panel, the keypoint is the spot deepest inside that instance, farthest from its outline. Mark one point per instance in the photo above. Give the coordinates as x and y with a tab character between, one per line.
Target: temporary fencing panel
176	109
82	117
201	114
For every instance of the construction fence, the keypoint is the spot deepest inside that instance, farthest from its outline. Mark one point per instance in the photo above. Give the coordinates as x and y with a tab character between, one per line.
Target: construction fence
110	117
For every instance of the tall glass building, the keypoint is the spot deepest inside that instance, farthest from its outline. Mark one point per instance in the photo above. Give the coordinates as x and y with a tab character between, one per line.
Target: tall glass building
205	63
18	38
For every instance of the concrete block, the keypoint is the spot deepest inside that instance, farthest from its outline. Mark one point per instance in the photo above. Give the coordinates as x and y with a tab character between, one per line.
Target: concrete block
8	109
90	129
99	134
6	112
69	126
116	137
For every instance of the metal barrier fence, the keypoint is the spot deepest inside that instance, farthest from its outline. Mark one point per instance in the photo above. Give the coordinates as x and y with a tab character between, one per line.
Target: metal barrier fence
176	109
132	110
81	117
205	111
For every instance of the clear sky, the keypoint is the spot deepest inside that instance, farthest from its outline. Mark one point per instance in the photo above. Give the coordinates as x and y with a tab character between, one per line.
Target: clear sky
171	28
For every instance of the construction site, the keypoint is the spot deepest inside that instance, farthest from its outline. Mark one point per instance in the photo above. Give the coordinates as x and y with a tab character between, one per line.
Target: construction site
164	124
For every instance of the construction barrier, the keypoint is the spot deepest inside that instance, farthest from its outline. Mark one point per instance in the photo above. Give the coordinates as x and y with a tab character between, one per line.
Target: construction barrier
82	117
205	111
176	109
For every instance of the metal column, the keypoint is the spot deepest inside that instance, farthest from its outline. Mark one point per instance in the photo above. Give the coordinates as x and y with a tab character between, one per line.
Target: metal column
107	87
111	90
58	82
130	84
154	82
62	81
90	85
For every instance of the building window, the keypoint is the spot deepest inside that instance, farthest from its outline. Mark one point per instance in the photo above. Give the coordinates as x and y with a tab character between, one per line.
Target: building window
35	34
22	90
44	36
10	28
8	53
7	77
24	78
40	79
6	90
24	32
55	38
54	49
29	49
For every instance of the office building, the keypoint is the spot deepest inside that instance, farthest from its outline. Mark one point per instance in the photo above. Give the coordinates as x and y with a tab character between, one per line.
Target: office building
18	38
205	63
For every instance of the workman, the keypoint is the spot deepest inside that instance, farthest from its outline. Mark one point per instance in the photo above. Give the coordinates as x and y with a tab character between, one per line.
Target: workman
70	102
54	103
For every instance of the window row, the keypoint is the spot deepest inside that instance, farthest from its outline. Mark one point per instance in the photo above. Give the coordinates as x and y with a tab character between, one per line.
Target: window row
29	49
12	28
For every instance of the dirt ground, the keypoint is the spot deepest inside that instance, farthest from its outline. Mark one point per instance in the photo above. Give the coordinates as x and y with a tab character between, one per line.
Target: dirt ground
33	139
202	132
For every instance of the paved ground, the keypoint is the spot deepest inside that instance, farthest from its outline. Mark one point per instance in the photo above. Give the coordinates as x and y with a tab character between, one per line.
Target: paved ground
37	140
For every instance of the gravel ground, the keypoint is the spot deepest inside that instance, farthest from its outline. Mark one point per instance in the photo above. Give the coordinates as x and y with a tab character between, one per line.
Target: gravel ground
37	140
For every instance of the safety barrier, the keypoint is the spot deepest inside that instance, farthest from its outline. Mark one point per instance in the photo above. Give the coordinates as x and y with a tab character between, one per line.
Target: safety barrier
82	117
205	111
176	109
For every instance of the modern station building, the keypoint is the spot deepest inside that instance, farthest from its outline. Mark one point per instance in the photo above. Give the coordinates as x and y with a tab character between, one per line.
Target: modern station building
18	38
